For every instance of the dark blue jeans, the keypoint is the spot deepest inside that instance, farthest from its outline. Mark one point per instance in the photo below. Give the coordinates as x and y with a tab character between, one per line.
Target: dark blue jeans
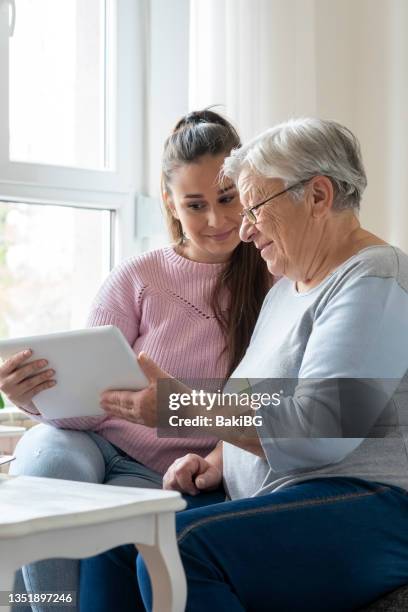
325	544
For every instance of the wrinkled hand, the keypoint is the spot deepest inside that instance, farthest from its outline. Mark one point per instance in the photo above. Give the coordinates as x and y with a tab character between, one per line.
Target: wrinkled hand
136	406
21	381
192	474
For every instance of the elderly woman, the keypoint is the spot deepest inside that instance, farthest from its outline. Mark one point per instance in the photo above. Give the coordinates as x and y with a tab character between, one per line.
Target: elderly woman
317	510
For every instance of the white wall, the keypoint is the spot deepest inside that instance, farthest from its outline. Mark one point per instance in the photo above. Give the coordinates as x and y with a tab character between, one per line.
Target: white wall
166	101
168	74
347	60
362	68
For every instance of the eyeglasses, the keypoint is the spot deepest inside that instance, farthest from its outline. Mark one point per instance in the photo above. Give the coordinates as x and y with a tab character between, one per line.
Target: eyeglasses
249	212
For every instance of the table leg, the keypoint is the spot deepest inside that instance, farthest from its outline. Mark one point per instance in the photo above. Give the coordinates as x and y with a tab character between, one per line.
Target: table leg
6	580
165	568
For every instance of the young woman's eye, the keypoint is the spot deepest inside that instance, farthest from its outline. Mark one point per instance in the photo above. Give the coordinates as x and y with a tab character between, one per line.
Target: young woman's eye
196	205
228	198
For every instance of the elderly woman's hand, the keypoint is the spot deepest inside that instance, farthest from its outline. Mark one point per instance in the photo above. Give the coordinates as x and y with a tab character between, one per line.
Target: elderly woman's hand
137	406
192	474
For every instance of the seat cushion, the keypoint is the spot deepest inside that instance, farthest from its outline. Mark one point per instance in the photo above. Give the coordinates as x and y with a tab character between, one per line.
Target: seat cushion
396	601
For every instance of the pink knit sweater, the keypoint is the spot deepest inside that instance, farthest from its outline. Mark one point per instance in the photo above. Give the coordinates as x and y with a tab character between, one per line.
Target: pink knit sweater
160	302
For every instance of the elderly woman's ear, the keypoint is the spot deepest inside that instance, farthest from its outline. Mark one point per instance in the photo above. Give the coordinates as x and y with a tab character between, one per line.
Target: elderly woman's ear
321	195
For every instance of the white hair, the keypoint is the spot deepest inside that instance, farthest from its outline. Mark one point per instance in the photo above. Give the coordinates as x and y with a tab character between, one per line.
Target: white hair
300	149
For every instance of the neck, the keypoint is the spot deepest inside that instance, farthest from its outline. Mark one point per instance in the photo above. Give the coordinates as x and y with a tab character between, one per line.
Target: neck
341	238
189	252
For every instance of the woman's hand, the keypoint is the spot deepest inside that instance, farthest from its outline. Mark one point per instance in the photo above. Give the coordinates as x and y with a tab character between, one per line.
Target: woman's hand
21	381
192	474
137	406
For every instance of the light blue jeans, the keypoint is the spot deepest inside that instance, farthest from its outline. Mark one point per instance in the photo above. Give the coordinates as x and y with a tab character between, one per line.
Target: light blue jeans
71	455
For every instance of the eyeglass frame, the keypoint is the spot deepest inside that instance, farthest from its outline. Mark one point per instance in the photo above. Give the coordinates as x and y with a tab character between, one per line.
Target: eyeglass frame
250	215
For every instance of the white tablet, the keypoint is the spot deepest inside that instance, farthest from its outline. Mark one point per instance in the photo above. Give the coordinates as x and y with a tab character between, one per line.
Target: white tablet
86	362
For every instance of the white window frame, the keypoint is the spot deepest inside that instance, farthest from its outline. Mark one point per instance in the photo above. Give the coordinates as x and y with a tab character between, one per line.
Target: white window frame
110	189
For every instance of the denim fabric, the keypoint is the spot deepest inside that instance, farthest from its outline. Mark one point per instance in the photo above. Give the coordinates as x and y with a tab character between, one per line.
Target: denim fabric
326	544
121	470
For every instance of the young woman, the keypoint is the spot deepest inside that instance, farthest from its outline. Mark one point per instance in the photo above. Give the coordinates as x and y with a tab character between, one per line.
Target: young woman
191	306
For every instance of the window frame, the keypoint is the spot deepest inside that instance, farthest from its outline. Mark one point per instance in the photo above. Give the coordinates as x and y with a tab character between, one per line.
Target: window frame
111	189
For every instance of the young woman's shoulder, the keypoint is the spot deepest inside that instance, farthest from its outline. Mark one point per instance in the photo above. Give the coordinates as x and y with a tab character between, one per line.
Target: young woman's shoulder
127	282
147	264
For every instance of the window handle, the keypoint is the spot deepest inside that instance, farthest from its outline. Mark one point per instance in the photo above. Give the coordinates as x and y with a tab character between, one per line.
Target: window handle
5	4
12	4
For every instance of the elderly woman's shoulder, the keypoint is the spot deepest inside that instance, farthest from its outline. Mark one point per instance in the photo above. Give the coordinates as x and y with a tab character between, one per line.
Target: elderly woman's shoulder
382	261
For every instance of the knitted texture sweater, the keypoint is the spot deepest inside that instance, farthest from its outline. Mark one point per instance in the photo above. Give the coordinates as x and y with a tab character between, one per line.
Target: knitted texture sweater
161	303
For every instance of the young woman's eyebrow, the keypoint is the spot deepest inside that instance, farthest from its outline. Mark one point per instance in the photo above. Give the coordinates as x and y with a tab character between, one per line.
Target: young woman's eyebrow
200	195
228	188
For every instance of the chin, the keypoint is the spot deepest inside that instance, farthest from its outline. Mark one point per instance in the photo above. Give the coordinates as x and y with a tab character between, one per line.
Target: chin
223	248
274	268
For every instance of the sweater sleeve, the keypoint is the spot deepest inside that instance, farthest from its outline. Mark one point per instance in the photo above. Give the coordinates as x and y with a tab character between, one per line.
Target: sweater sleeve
118	302
355	359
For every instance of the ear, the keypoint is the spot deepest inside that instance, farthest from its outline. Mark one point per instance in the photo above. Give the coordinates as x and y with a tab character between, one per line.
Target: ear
169	203
322	195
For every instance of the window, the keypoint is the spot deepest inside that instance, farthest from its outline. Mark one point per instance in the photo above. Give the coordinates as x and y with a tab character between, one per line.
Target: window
58	84
52	262
72	106
71	154
53	259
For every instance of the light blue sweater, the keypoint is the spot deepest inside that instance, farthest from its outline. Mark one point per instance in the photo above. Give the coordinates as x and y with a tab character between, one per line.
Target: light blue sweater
354	325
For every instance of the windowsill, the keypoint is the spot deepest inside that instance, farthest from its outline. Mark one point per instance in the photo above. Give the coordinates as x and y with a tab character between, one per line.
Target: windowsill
9	413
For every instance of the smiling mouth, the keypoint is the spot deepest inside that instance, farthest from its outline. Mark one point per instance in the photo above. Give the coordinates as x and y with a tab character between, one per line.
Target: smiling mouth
222	236
264	246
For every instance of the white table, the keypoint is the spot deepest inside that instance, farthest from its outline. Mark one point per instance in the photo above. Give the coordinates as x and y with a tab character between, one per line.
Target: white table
9	435
11	430
42	518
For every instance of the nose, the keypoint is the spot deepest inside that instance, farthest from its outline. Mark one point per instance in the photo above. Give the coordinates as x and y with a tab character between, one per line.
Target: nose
247	230
216	217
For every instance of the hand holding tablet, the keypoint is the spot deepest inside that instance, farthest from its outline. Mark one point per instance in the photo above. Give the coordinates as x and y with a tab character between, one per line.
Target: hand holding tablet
86	363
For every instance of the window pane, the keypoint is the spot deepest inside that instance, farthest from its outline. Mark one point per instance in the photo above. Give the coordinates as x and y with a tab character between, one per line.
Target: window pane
57	83
52	262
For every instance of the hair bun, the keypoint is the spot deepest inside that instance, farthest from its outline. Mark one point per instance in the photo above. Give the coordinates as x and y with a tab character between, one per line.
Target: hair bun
201	116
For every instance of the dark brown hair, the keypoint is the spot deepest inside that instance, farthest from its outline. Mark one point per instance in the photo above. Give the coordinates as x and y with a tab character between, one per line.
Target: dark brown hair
246	277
